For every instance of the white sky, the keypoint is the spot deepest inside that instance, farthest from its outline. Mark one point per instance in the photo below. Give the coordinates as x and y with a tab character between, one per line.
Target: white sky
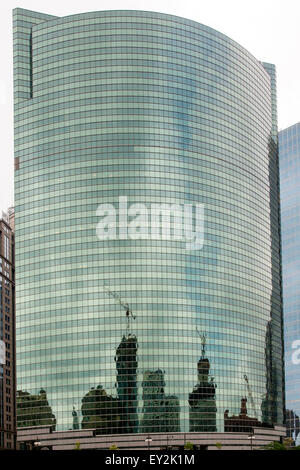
269	29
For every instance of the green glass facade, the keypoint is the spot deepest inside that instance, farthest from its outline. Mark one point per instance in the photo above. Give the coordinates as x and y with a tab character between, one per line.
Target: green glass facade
141	333
289	156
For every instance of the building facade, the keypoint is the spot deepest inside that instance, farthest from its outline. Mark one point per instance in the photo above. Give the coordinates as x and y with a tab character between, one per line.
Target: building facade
7	335
147	217
289	153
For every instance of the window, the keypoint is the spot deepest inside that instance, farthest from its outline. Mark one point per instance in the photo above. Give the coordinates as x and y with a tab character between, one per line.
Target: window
6	247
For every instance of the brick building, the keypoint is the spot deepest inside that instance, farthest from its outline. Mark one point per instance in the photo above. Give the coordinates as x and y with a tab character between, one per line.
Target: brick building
7	334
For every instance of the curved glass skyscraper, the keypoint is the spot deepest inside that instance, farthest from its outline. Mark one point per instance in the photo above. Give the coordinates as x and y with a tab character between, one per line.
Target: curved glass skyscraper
289	151
147	226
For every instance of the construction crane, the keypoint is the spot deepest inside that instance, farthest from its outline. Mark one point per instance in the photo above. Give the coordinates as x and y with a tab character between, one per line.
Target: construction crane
250	396
125	305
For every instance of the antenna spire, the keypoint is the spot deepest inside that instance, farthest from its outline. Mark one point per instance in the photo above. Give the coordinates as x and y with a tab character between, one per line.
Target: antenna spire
203	341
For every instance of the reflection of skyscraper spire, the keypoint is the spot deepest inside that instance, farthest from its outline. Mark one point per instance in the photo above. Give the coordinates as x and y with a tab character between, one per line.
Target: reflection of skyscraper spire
75	419
203	342
202	400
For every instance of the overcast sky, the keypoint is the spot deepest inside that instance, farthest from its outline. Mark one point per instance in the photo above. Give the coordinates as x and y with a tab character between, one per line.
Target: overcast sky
269	29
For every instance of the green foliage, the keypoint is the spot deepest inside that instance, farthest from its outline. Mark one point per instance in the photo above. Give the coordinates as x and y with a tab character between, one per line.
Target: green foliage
188	446
114	447
288	442
77	446
219	445
275	446
286	445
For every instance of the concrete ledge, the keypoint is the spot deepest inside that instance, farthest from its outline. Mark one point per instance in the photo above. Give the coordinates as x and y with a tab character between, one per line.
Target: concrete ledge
67	440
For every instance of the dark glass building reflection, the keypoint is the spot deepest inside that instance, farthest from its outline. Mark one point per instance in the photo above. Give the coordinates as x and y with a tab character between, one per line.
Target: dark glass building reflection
202	400
289	155
160	411
146	208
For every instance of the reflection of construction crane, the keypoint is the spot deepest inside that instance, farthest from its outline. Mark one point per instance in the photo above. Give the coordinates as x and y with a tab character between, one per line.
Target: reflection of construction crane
250	396
125	305
203	341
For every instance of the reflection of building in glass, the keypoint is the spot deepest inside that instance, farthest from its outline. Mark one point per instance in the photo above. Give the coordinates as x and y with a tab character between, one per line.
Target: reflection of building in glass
75	419
154	109
242	422
202	400
100	411
161	412
292	422
126	363
268	408
109	414
289	158
34	410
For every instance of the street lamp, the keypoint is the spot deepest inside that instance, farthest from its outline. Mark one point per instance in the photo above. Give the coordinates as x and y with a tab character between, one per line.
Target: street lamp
171	437
36	445
148	440
251	436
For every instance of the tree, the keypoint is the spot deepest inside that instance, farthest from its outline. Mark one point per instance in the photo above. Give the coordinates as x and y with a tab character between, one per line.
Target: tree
286	445
288	442
114	447
188	446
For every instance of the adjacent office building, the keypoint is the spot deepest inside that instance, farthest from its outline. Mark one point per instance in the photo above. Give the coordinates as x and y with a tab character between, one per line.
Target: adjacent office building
147	215
289	152
7	334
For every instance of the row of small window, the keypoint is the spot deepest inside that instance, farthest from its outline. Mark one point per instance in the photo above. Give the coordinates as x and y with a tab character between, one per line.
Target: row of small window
152	20
148	100
213	51
224	376
222	208
149	34
51	341
154	297
156	23
160	74
155	226
125	155
106	57
167	92
168	191
174	140
27	287
217	319
173	287
223	394
143	274
6	326
250	267
184	121
234	169
66	394
158	126
120	174
140	174
216	248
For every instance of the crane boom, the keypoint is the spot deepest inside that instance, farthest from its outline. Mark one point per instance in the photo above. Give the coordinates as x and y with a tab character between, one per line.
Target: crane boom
123	304
250	395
